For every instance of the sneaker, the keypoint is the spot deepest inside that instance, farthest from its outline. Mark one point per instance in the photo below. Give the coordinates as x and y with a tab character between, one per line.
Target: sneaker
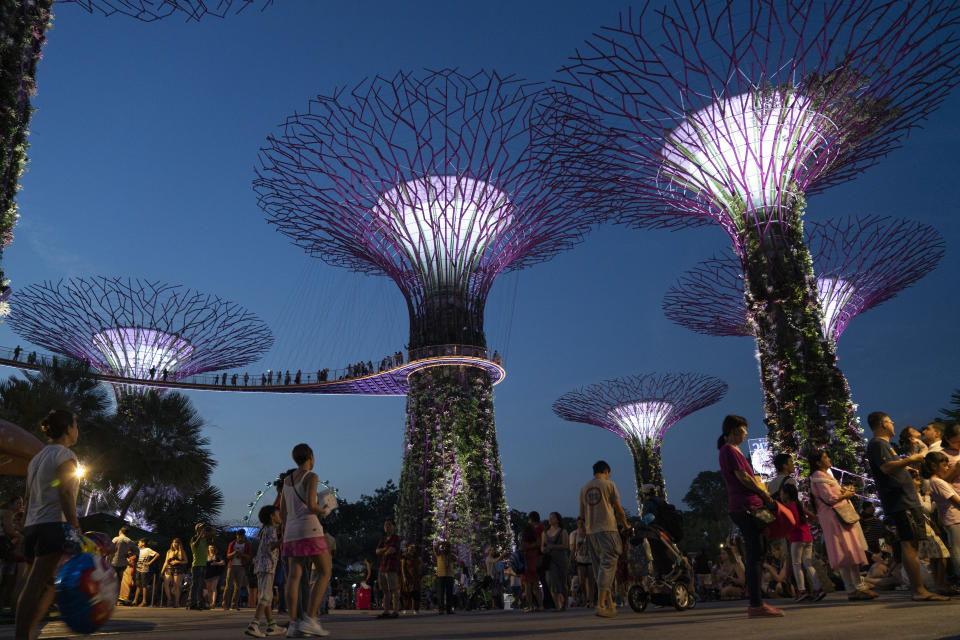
312	627
293	630
803	595
607	612
819	595
253	629
383	616
861	595
395	614
764	611
273	629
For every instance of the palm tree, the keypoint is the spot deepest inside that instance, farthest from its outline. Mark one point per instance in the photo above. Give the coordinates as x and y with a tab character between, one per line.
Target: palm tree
177	516
160	440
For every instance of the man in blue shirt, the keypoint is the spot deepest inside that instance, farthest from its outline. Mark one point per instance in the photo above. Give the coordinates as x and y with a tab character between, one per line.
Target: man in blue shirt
899	498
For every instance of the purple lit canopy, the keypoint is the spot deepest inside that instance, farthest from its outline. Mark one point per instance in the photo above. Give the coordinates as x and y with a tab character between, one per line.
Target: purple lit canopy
640	409
725	113
860	263
430	178
127	327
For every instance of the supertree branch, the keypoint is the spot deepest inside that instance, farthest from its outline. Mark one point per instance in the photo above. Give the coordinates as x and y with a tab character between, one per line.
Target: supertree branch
152	10
137	328
431	179
640	409
719	112
860	262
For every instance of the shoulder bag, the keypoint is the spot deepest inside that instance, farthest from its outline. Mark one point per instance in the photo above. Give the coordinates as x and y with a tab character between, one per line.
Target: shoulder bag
844	509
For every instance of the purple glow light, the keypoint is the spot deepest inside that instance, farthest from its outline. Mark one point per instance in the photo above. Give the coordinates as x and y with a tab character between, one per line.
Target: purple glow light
132	352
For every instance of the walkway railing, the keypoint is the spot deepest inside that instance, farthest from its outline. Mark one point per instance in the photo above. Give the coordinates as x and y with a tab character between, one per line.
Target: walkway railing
386	377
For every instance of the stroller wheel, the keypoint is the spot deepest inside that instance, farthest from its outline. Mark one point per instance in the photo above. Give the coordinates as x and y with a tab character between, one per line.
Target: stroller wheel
638	598
681	596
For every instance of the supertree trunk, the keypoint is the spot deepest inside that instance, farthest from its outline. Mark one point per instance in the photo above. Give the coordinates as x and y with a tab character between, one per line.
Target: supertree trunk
647	465
806	397
451	484
23	26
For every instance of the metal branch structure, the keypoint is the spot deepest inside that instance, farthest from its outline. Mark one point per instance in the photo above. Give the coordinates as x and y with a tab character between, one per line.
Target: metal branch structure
152	10
640	409
432	179
137	328
860	262
732	113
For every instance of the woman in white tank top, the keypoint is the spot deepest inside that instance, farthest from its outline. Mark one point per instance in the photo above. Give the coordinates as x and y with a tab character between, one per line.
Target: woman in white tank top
303	542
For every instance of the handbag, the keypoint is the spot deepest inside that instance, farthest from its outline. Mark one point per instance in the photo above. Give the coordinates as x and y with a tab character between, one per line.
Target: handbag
846	512
844	509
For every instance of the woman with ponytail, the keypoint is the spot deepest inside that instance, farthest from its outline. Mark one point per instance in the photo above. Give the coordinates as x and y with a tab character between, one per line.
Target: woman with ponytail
744	494
52	484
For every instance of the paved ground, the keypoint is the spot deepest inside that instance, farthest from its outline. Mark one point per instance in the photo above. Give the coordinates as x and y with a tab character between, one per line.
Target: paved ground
892	616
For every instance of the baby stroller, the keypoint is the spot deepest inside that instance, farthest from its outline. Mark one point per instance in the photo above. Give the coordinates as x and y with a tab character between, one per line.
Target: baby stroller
663	575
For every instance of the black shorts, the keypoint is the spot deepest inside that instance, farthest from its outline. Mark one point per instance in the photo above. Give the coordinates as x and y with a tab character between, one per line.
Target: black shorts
43	539
141	579
910	525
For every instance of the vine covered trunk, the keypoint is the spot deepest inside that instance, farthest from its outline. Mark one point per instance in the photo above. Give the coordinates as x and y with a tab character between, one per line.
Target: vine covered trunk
451	483
805	396
23	26
647	466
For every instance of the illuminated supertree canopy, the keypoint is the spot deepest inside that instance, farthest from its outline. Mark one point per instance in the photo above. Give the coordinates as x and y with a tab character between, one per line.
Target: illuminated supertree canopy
860	262
640	409
432	179
733	114
137	328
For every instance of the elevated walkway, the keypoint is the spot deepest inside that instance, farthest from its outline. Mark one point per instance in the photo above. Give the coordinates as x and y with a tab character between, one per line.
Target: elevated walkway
391	381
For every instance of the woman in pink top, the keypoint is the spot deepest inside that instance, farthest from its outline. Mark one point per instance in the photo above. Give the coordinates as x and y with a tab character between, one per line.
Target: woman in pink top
303	542
744	494
801	545
845	542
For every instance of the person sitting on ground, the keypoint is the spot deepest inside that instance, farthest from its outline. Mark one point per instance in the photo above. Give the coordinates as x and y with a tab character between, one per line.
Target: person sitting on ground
879	576
775	575
899	499
729	575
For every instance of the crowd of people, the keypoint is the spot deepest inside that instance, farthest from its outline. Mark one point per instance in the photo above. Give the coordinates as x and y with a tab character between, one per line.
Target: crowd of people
910	548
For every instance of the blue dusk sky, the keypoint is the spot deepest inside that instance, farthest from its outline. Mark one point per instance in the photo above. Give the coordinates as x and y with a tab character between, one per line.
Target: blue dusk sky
142	154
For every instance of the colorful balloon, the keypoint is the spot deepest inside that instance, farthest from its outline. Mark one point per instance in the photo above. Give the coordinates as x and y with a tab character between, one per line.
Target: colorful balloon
86	592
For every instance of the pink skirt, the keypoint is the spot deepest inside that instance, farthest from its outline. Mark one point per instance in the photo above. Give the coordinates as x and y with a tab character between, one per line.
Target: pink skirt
305	547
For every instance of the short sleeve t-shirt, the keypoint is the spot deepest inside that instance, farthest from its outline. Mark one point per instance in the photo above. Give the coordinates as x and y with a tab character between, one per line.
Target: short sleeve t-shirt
242	549
896	490
124	546
941	491
266	560
953	457
198	548
43	488
146	554
739	498
597	498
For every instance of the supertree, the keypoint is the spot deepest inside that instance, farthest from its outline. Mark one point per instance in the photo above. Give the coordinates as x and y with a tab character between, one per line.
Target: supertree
138	329
640	409
860	263
733	113
23	29
430	179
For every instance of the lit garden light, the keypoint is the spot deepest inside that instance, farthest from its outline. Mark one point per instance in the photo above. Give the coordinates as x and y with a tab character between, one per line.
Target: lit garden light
431	179
640	409
861	262
136	329
713	113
